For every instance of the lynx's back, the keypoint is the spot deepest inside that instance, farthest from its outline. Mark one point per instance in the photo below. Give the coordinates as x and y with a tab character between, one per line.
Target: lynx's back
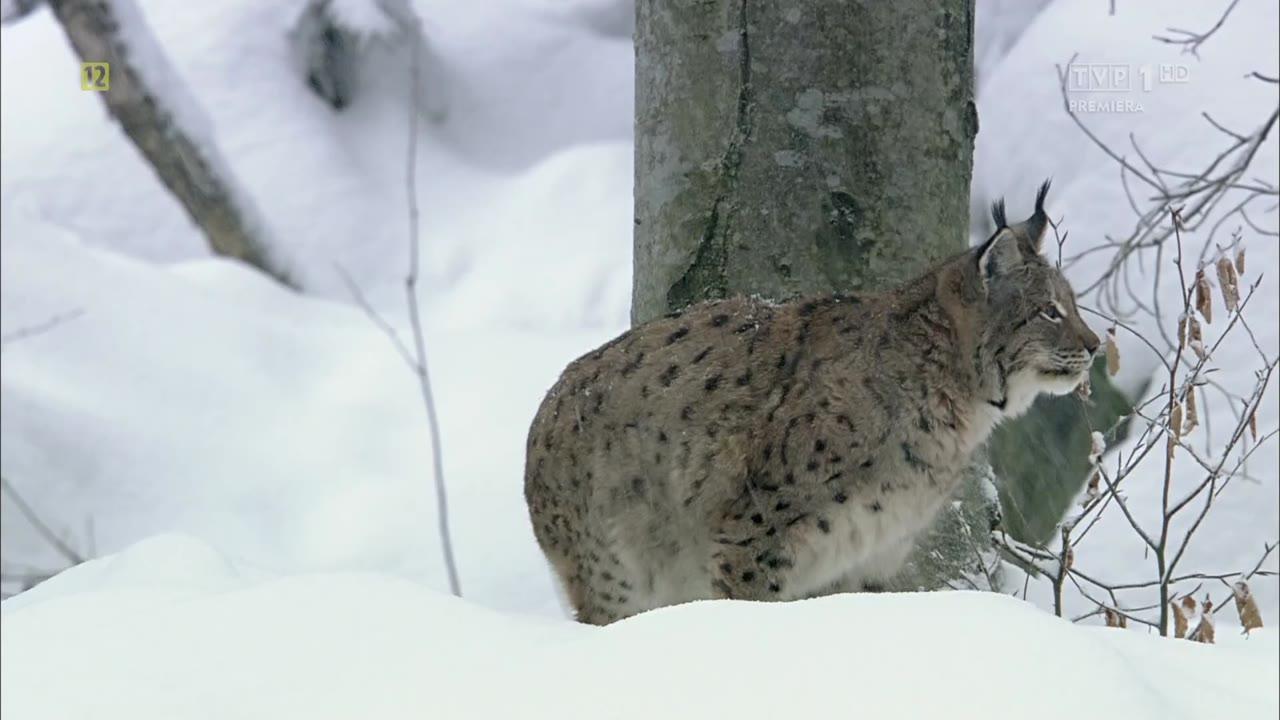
748	449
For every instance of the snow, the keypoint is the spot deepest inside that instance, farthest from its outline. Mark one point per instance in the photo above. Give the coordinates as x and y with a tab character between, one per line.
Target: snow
300	443
280	437
207	641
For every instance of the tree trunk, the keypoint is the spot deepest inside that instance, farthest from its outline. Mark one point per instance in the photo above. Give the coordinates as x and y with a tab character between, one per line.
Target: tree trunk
803	147
165	123
793	148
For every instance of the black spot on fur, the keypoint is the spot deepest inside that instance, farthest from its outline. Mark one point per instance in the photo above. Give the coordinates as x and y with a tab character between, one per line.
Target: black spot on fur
712	383
669	375
824	526
633	365
748	576
811	465
677	335
911	458
782	505
819	445
744	379
875	506
702	355
775	587
840	498
745	327
719	320
686	413
757	519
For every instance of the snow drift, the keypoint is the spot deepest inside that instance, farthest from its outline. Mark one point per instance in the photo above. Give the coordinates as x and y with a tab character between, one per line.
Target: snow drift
168	629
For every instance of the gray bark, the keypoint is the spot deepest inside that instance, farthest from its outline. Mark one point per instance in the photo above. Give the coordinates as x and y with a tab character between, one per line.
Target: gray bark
188	164
803	147
792	148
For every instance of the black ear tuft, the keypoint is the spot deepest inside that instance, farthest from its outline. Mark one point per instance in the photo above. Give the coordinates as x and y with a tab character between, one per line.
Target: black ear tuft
1035	226
1041	194
997	214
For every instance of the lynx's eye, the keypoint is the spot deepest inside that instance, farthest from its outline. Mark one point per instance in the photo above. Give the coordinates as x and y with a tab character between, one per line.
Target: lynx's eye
1052	312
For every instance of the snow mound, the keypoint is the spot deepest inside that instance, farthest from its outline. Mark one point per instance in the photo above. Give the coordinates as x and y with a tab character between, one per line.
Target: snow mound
371	646
283	429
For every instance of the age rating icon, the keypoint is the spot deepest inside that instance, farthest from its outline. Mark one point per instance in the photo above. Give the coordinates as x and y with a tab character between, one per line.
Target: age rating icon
95	76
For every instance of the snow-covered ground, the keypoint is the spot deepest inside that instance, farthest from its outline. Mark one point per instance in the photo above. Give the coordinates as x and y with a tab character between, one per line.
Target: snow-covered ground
280	435
191	637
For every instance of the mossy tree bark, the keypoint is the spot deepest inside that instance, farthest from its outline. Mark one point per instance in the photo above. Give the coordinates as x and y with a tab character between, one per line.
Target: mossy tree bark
794	148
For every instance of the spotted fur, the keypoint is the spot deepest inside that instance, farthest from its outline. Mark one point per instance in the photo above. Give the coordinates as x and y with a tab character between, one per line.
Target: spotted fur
747	449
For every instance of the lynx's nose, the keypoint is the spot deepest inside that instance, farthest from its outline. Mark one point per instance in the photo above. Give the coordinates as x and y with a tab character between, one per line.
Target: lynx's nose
1090	340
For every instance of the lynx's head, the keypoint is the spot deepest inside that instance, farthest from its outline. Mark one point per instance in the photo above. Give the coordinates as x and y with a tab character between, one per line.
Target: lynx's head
1031	336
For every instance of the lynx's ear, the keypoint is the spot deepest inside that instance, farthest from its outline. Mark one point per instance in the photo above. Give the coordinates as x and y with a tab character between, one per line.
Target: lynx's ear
1011	245
998	256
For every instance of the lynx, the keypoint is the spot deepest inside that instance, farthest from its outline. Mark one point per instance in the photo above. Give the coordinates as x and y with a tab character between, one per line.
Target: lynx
755	450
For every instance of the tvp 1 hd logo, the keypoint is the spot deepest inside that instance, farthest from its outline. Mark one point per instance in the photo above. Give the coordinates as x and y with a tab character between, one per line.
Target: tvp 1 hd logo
1118	87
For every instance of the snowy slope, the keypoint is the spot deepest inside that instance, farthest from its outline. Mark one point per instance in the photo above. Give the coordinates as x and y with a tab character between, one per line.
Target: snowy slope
193	638
280	428
534	150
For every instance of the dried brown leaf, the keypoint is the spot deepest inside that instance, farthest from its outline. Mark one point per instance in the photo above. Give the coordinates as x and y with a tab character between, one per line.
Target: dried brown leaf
1190	415
1175	420
1253	423
1204	297
1115	619
1240	261
1227	284
1182	331
1204	632
1198	348
1246	606
1180	619
1094	488
1189	604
